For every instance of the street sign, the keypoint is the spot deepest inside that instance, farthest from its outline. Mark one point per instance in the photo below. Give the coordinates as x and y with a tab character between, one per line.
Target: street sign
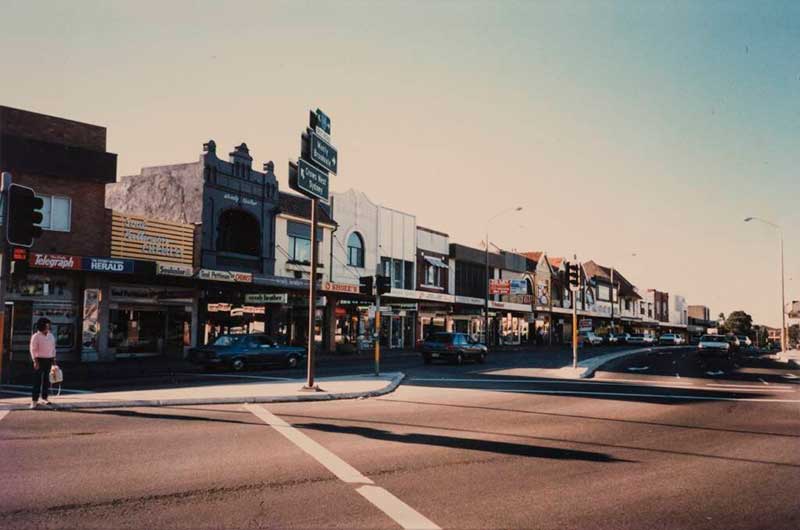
311	181
323	153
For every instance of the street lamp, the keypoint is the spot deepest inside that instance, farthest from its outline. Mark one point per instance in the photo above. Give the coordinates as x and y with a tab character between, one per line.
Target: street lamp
486	274
783	289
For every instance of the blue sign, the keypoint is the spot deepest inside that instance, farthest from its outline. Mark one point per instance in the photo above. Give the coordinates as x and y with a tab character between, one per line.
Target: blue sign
311	181
323	121
108	265
324	153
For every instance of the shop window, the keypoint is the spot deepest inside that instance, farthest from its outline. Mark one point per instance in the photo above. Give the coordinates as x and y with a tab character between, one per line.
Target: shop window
56	213
239	232
603	292
397	276
355	250
627	305
299	249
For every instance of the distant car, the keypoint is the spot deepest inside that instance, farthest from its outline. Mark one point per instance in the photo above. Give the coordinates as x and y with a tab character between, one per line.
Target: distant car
636	339
649	339
734	342
241	351
715	345
672	339
457	347
744	341
616	338
590	338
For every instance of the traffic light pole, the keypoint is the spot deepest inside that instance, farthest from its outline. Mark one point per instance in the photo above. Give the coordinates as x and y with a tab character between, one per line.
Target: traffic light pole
574	328
4	186
377	331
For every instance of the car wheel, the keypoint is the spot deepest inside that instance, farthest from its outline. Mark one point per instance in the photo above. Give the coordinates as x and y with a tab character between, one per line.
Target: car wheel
293	361
482	358
459	359
426	359
238	364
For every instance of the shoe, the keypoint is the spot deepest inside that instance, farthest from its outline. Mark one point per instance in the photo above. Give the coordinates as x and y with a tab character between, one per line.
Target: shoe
45	403
34	404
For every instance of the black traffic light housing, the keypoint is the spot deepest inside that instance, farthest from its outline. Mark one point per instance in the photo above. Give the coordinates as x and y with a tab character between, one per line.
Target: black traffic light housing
573	270
365	285
24	214
383	284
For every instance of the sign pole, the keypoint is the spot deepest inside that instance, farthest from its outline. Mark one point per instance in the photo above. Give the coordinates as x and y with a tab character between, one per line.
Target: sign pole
5	183
312	300
377	332
575	320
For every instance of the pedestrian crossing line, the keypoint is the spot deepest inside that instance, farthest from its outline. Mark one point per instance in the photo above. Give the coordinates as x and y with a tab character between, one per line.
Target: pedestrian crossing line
397	510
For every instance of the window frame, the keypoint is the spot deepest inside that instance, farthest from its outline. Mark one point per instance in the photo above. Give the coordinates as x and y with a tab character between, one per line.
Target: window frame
51	199
359	251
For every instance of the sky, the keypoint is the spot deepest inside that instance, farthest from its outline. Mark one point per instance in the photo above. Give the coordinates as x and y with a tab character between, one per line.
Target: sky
638	134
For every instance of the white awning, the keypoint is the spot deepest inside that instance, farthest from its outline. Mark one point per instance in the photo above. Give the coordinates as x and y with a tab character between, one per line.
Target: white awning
436	262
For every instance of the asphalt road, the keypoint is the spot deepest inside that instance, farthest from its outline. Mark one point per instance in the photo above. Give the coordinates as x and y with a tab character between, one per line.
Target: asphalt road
456	447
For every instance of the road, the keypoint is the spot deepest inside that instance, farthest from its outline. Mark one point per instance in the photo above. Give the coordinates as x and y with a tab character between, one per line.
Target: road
492	446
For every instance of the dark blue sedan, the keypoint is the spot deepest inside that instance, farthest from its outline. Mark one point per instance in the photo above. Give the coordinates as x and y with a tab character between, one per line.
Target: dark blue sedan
241	351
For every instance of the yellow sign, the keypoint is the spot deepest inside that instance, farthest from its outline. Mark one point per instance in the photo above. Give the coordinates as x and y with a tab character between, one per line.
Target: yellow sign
137	237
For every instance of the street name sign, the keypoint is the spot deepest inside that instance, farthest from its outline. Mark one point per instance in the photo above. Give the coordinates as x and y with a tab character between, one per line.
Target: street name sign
311	180
323	153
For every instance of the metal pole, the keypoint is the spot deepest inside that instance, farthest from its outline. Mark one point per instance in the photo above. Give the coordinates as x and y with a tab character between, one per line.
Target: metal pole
5	182
574	328
613	329
783	299
377	332
312	299
486	297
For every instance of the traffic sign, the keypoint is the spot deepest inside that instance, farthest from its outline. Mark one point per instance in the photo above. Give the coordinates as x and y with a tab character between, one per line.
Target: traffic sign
311	181
323	153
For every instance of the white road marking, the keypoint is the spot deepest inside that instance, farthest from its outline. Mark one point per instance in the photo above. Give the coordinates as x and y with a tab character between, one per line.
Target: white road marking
402	513
751	387
397	510
344	471
762	380
262	377
3	414
632	394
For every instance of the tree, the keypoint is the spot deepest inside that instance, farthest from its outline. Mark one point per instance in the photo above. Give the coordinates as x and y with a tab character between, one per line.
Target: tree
739	323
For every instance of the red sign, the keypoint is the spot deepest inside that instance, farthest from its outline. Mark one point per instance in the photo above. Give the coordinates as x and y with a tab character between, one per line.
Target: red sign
54	261
340	287
499	287
19	254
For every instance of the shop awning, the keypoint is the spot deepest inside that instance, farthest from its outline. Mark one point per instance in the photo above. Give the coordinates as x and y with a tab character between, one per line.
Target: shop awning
436	262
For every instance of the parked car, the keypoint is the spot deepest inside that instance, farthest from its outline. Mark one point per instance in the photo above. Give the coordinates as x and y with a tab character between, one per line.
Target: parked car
715	345
636	339
649	339
457	347
590	338
672	339
744	341
241	351
616	338
734	342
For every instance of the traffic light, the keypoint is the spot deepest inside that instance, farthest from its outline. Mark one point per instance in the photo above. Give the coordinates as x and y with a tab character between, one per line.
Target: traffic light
365	285
574	275
383	283
24	213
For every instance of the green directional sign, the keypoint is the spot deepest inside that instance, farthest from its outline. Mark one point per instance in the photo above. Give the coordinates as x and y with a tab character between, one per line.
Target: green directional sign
311	181
324	153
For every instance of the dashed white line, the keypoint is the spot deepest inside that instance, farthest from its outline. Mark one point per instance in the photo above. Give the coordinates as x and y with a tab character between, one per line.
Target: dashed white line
397	510
762	380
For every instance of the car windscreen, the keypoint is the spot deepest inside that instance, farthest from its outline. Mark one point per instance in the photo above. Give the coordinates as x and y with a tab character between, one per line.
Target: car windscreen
226	340
444	338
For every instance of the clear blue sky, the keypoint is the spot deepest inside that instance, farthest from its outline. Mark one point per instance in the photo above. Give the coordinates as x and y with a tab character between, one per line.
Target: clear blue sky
639	127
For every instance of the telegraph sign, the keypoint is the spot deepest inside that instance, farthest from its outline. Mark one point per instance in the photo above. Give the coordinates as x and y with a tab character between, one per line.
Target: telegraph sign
311	181
323	153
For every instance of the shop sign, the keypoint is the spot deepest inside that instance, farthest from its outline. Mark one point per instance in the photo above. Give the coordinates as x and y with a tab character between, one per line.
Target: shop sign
266	298
435	297
542	293
254	310
54	261
219	308
243	200
340	287
148	295
174	269
108	265
138	237
520	299
469	300
225	276
499	286
404	307
518	287
585	324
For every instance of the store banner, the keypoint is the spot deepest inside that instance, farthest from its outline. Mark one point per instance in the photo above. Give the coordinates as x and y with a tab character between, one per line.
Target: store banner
225	276
54	261
219	308
267	298
340	287
254	310
137	237
174	269
499	286
91	324
518	287
108	265
585	324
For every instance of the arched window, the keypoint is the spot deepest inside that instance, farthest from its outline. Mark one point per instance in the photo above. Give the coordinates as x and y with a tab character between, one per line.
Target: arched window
239	232
355	250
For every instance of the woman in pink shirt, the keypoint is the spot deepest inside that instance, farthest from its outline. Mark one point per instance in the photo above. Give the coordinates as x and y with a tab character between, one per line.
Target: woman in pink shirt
43	353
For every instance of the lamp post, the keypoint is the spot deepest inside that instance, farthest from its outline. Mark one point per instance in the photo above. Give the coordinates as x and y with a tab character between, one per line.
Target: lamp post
486	274
783	289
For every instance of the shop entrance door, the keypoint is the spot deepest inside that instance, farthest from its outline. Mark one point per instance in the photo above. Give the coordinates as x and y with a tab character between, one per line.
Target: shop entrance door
179	323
